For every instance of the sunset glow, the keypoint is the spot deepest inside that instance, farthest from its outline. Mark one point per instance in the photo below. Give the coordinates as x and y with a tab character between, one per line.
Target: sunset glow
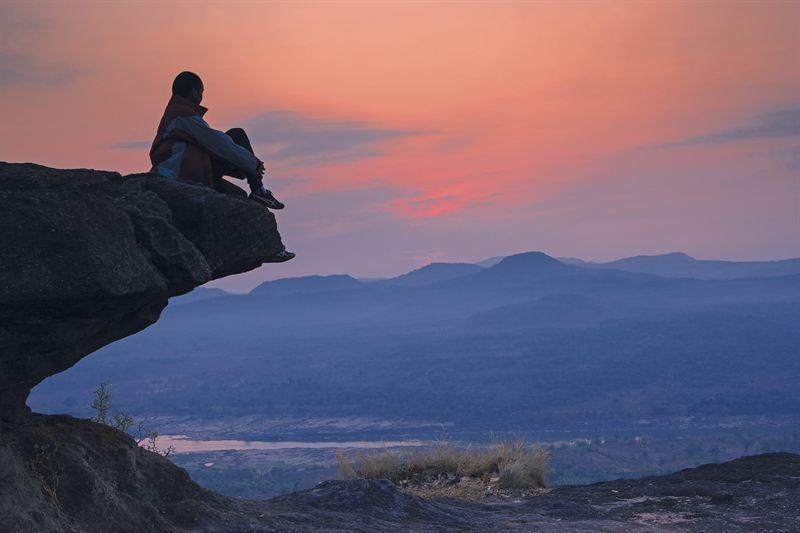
399	133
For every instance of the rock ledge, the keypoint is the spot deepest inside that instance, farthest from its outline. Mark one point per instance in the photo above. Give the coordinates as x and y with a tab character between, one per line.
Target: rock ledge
88	257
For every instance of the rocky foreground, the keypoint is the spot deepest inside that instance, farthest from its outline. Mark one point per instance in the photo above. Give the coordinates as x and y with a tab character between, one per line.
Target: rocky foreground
88	257
64	474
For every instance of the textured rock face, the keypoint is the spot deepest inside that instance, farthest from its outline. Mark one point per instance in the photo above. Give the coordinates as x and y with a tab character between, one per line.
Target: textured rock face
88	257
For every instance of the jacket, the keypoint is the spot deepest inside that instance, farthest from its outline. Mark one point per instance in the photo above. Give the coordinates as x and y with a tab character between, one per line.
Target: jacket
185	144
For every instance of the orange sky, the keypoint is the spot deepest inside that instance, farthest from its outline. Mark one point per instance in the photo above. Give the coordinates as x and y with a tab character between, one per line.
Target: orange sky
404	132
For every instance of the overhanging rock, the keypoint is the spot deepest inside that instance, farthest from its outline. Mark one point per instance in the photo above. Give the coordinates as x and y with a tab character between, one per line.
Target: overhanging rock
88	257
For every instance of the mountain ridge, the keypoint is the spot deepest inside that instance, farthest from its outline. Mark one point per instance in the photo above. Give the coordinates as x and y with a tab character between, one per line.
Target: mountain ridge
306	284
433	273
680	264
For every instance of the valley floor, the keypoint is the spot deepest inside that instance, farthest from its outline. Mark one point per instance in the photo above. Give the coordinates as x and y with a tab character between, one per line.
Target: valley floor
256	469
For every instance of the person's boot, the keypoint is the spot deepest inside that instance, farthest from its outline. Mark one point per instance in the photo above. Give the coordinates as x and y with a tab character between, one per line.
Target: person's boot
281	257
264	197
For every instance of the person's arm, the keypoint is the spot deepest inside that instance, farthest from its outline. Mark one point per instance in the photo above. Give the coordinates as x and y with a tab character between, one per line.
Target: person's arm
216	142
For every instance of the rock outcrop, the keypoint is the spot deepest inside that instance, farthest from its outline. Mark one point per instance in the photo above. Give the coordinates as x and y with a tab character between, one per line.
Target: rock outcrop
89	257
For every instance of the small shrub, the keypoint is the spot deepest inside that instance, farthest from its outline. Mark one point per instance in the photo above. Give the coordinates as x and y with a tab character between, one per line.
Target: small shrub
517	465
527	471
122	421
346	467
146	438
101	403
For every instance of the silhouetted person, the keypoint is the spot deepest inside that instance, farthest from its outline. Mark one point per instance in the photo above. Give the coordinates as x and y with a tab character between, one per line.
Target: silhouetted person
186	147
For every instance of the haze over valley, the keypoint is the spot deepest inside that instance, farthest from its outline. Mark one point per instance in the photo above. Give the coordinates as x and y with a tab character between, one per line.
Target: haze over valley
648	372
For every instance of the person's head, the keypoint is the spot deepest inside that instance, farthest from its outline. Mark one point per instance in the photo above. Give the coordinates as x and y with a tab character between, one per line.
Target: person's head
188	85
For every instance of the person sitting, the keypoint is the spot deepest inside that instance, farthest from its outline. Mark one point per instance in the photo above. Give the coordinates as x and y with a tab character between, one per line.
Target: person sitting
186	147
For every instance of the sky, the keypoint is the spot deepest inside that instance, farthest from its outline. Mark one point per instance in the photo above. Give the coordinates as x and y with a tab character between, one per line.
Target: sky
403	133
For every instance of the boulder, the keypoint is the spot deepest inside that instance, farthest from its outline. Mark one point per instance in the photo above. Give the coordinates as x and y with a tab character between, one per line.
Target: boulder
88	257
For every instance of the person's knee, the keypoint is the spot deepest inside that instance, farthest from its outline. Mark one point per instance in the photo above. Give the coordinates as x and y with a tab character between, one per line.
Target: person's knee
240	137
237	134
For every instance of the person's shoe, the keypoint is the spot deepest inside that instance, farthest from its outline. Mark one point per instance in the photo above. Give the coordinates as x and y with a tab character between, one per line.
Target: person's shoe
265	198
280	257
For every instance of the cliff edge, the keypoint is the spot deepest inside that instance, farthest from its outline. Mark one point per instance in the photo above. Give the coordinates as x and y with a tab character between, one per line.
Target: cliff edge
88	257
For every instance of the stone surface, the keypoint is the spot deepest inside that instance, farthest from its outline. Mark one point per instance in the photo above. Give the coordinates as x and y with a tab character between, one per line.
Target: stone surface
88	257
64	474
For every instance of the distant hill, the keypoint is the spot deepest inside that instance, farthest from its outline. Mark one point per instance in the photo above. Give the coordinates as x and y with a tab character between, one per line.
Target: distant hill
459	290
553	311
486	263
434	272
571	260
678	264
528	265
530	340
306	285
515	273
198	295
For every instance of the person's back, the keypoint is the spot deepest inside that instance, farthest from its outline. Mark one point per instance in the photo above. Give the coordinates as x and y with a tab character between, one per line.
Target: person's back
186	147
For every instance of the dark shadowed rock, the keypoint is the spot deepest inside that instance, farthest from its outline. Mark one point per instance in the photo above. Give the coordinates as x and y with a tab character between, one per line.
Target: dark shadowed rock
88	257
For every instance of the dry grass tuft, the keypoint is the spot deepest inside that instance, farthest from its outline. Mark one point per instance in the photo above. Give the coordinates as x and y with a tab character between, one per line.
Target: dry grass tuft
524	473
511	465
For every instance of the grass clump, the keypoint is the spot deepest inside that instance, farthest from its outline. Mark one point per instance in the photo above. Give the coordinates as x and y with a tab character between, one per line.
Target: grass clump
510	465
529	470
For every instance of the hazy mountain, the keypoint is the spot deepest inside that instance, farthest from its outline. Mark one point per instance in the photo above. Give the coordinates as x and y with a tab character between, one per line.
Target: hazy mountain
306	284
571	260
434	272
678	264
491	261
418	298
525	276
530	340
198	295
526	266
557	310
